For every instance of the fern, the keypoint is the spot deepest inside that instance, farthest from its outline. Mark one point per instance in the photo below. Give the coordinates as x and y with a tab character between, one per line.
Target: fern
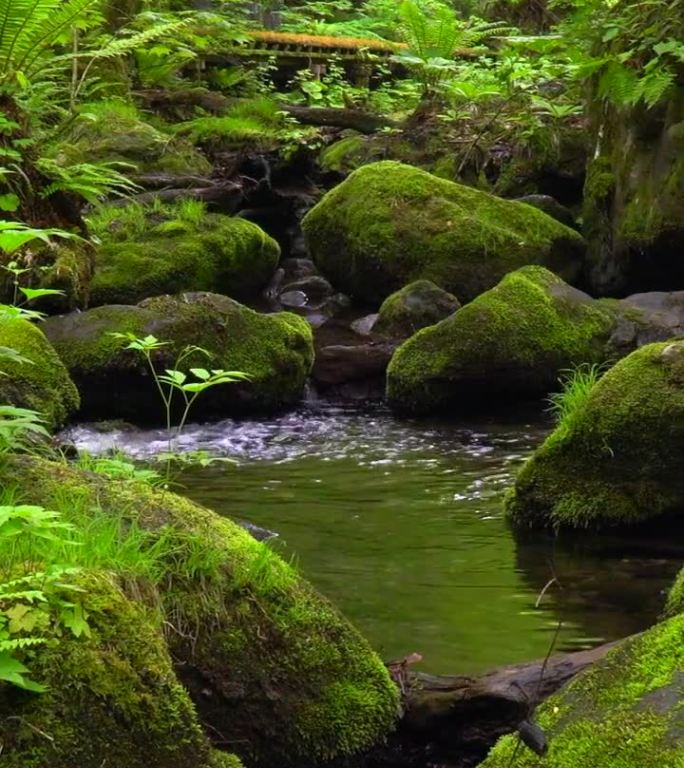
29	27
124	45
92	181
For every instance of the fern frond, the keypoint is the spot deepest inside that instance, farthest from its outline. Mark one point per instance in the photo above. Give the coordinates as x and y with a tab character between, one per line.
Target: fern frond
125	45
18	643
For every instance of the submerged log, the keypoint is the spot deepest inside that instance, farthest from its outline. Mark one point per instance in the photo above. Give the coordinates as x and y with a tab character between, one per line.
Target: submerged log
453	720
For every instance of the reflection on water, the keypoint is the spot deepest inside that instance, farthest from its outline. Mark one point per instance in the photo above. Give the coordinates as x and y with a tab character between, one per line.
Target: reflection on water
400	523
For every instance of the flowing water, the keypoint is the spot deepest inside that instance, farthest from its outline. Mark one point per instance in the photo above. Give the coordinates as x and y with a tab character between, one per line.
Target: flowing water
400	523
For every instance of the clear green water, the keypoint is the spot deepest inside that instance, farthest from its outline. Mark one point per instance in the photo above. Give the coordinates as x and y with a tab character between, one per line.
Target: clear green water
401	525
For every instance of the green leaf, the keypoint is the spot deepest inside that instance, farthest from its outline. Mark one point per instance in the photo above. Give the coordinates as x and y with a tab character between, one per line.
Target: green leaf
9	202
12	671
37	293
75	618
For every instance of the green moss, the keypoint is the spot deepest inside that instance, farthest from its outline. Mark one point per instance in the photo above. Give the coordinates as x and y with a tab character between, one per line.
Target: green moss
113	131
275	350
272	666
415	306
345	155
215	252
633	195
508	343
675	597
112	697
224	760
389	224
618	463
65	266
624	712
42	385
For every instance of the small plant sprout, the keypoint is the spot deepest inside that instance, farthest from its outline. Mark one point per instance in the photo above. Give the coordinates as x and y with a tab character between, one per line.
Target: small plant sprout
13	236
174	381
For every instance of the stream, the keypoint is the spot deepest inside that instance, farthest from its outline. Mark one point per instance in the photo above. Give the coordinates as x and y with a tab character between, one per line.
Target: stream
400	523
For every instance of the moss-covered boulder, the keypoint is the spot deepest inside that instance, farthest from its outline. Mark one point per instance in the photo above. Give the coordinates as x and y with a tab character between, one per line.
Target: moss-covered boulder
276	351
634	190
114	131
388	224
274	670
167	249
509	343
624	712
615	459
415	306
40	382
112	696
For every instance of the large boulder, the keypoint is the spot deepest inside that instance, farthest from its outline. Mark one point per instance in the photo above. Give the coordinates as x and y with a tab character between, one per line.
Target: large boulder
509	343
624	712
615	458
388	224
634	191
111	697
167	249
272	667
41	382
276	351
415	306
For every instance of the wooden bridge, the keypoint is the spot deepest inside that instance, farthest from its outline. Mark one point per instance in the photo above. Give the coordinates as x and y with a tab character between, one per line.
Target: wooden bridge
284	45
292	52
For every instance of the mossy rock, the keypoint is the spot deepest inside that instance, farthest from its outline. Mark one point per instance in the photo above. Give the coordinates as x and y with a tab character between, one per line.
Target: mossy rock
389	224
112	697
616	460
216	253
276	351
675	597
415	306
43	384
624	712
116	132
509	343
271	665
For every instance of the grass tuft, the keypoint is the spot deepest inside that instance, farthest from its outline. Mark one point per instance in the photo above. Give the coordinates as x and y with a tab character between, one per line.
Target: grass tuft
567	404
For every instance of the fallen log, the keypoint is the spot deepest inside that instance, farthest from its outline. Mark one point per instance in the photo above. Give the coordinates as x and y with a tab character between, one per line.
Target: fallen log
333	117
226	196
452	721
356	119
